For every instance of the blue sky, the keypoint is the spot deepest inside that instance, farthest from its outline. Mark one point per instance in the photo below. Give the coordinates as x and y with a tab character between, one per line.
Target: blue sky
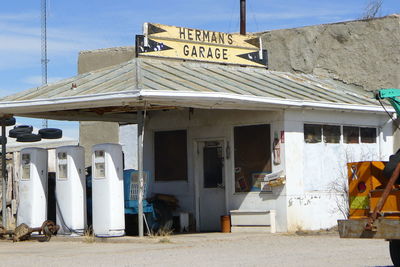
83	25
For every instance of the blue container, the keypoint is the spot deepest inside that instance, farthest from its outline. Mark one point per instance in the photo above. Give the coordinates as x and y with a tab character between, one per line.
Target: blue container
131	189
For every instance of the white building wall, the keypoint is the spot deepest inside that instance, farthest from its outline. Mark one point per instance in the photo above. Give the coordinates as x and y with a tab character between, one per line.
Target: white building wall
304	202
216	124
311	197
128	140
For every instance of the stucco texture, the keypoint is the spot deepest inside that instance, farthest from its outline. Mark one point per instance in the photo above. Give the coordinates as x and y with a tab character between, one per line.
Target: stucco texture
364	52
91	133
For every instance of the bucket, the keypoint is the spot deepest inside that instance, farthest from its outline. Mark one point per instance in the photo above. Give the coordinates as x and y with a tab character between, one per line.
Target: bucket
225	224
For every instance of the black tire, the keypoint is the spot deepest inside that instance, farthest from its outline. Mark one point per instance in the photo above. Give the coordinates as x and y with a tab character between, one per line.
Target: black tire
20	129
50	133
26	127
9	122
29	137
394	247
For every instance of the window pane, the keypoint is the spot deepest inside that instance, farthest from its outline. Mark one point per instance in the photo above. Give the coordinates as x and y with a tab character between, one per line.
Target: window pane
62	171
170	155
368	135
212	166
252	150
312	133
100	170
331	134
350	135
26	166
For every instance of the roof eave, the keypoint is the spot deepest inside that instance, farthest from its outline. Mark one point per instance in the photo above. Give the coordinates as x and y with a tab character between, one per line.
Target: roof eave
207	100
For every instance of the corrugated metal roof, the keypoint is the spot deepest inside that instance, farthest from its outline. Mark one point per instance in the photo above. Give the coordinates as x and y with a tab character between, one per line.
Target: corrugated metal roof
156	75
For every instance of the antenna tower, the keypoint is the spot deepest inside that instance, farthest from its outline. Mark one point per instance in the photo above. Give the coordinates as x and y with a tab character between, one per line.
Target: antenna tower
44	60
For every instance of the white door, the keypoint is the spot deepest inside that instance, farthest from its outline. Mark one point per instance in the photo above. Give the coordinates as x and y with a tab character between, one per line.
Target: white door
210	173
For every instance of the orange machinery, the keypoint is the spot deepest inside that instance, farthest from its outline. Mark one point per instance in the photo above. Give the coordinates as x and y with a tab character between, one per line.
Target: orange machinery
366	187
374	205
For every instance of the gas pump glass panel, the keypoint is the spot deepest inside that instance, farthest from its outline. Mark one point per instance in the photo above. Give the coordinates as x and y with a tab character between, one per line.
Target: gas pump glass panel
62	166
26	166
99	164
212	165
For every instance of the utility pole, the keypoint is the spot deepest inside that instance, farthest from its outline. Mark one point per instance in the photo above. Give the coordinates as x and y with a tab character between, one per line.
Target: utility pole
243	17
44	60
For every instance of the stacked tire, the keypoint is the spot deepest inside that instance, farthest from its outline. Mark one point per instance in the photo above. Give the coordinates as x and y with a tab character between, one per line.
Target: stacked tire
23	133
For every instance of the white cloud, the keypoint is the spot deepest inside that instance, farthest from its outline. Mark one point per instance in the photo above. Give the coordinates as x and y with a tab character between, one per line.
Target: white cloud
36	80
20	42
26	16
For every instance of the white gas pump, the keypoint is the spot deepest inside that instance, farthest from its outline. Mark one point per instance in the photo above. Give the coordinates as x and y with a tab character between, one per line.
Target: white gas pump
32	208
108	190
71	190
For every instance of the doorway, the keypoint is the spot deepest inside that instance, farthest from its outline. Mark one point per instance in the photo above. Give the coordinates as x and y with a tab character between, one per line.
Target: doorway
211	184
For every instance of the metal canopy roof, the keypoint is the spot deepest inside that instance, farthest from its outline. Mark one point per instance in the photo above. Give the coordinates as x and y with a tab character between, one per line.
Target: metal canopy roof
117	92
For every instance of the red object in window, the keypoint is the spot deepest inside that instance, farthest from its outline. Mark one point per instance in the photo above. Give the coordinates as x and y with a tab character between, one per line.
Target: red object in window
282	137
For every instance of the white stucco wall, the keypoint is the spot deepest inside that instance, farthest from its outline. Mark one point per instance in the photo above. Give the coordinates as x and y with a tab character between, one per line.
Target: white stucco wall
311	199
128	140
217	124
304	202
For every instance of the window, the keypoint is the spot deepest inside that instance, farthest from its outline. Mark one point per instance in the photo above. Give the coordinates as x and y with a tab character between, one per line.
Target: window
170	155
331	134
368	135
312	133
315	133
351	134
212	165
252	145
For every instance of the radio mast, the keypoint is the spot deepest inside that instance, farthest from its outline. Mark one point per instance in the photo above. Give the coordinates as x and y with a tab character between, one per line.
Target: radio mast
44	60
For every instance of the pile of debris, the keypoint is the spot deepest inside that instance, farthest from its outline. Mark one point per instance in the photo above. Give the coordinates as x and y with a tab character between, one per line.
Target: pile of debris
23	232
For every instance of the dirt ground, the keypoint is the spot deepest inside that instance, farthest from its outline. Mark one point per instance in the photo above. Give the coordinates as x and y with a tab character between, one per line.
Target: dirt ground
211	249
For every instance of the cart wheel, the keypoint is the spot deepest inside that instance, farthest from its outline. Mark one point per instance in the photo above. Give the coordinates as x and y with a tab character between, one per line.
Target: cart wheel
49	228
394	247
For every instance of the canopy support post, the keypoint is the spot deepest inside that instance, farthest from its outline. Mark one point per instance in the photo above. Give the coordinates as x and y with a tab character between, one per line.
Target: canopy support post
141	116
3	172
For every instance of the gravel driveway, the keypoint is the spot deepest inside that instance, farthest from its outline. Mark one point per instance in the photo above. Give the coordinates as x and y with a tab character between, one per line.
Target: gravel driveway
211	249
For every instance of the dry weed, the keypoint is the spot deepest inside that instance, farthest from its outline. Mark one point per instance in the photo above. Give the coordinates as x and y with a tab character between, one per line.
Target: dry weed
89	235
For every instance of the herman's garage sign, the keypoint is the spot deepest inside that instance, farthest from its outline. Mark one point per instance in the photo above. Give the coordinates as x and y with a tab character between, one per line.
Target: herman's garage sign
200	45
